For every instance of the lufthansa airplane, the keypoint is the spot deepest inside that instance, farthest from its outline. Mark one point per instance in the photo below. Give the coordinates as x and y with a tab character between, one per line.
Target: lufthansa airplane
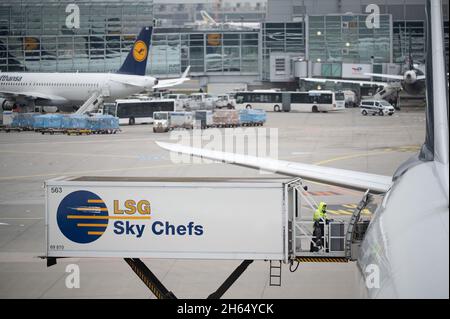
68	91
408	236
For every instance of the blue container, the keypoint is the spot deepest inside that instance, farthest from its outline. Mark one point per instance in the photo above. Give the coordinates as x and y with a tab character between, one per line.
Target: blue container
47	121
24	120
74	121
103	122
250	116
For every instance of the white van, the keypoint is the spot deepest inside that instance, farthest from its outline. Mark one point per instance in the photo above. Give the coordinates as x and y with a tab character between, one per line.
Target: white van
375	107
225	101
201	101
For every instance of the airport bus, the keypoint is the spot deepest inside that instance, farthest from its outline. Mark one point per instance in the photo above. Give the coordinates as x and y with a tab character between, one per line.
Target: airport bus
311	101
317	101
137	111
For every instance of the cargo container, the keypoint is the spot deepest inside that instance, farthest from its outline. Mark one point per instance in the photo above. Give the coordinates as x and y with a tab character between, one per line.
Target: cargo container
193	218
181	120
203	119
226	118
48	121
250	117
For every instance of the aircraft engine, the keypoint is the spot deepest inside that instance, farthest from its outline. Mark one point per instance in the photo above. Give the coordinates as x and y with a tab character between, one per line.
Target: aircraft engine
410	77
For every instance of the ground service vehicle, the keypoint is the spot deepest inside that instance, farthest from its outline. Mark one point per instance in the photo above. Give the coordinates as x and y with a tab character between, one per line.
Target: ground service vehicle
161	122
137	217
201	101
376	107
225	101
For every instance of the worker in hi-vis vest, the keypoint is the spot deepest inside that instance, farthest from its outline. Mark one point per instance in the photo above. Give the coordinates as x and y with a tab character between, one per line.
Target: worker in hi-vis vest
320	218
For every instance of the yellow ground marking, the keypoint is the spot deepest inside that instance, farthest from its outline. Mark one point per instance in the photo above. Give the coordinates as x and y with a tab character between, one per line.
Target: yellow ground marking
340	158
107	217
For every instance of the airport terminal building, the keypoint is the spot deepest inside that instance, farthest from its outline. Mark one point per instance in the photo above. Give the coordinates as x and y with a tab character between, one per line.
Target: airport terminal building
294	39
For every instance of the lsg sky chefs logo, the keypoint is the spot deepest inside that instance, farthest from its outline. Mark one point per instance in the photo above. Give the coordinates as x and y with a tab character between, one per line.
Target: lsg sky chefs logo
83	218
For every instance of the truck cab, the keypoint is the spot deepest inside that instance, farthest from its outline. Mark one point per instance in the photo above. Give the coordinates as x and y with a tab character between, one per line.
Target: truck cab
161	122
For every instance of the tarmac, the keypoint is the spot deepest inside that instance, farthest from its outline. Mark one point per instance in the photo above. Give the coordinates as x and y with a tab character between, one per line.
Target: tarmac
374	144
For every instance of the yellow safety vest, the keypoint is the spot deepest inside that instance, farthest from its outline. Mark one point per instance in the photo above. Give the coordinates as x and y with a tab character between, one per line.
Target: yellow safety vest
319	213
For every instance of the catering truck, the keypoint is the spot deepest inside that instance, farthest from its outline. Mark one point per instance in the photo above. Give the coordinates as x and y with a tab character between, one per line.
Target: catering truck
184	218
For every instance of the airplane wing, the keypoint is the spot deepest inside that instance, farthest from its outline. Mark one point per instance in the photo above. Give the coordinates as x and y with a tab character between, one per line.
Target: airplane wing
323	80
387	76
32	95
173	82
334	176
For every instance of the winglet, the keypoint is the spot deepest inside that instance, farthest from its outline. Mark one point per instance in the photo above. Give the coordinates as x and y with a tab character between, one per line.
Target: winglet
186	72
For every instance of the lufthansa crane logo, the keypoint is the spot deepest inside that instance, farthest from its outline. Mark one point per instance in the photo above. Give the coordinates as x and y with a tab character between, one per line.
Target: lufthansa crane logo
82	217
140	51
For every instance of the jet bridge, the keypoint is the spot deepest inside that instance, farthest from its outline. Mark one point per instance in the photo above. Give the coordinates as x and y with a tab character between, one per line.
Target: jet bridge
245	219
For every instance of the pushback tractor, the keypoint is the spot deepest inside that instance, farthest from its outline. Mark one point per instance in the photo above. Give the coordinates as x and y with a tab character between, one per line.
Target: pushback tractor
243	219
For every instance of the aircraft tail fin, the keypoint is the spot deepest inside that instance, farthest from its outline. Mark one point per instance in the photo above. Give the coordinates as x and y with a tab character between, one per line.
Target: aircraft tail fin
136	61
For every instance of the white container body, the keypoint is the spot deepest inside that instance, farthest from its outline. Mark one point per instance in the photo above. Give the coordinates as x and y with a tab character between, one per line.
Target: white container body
172	218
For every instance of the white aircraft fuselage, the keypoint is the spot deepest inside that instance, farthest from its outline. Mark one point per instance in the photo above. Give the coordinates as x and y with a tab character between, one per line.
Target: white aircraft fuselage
72	89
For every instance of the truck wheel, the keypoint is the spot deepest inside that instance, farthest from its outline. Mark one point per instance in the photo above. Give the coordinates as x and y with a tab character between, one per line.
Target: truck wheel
364	112
315	109
248	106
131	121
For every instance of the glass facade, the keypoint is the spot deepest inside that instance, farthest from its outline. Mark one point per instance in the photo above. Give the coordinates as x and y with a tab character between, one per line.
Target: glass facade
408	34
281	37
346	38
34	35
212	52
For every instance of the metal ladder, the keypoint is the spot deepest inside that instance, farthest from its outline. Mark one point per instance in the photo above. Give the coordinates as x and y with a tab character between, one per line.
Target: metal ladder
275	273
367	198
91	103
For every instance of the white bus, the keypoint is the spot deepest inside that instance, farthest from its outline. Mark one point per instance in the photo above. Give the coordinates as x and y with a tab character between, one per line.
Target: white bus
317	101
137	111
263	100
311	101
